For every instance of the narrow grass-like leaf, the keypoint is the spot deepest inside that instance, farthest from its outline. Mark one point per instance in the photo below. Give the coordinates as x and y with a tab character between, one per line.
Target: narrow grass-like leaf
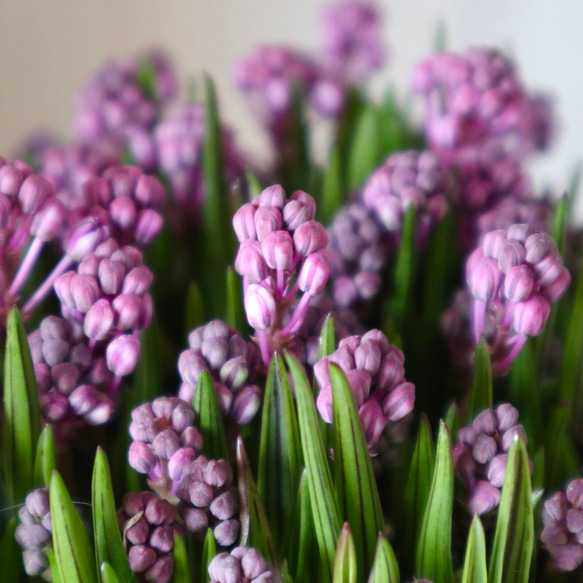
514	537
322	497
327	337
385	568
56	576
235	313
209	550
75	561
307	559
332	188
45	461
434	559
356	488
11	554
108	575
21	412
475	570
253	184
452	420
108	542
364	154
194	312
561	223
481	395
209	418
418	482
148	376
255	530
280	451
181	567
345	566
561	458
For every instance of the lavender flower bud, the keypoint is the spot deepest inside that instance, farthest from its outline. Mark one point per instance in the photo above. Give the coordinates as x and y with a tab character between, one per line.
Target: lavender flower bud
98	321
314	273
244	223
141	558
245	404
531	316
278	250
273	196
122	354
111	276
141	457
518	283
47	222
309	238
250	262
267	220
148	225
399	401
485	280
373	421
260	307
85	237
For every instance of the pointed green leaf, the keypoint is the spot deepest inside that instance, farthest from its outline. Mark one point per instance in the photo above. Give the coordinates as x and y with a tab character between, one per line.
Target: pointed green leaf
452	420
108	542
280	451
209	418
418	482
481	395
305	536
385	568
434	547
514	537
561	458
475	570
345	565
235	313
356	488
148	377
561	223
75	562
181	567
332	188
194	307
327	343
147	78
11	554
253	184
364	152
285	576
45	461
108	575
21	412
255	530
209	551
322	497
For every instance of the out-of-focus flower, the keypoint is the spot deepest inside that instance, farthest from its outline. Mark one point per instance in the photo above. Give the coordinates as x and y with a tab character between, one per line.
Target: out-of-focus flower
242	565
375	372
481	456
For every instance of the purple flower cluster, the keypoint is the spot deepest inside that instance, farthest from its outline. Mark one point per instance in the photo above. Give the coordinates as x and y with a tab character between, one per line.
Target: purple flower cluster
230	360
407	179
179	140
352	43
375	372
165	443
242	565
563	526
481	456
275	236
33	533
207	499
149	526
520	271
476	98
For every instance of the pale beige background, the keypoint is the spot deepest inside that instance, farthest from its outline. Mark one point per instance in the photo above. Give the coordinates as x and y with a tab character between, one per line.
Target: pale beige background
49	47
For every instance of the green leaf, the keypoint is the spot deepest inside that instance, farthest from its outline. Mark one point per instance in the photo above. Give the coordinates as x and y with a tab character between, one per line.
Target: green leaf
255	530
306	537
209	551
108	575
327	343
147	78
475	570
235	312
45	461
345	565
418	482
285	576
108	541
561	458
514	537
209	418
253	184
280	451
364	152
385	568
181	567
481	395
356	488
194	307
73	554
11	553
561	223
574	183
434	547
332	192
21	412
452	420
148	377
325	511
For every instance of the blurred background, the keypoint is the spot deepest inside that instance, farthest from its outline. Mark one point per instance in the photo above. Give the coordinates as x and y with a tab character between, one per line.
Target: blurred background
48	50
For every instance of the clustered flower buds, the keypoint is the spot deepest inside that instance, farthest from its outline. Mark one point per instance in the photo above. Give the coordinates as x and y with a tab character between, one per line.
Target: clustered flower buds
149	526
563	526
521	272
407	179
165	443
33	533
242	565
207	499
481	456
375	372
276	236
232	363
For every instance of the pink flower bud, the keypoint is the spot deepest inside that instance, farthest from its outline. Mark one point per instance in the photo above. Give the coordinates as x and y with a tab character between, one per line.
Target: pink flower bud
215	351
518	283
101	412
137	281
310	237
260	307
149	192
111	276
389	211
65	376
10	180
485	422
368	284
244	223
484	448
123	213
531	316
314	273
537	246
141	558
85	292
190	365
224	506
398	403
126	308
272	196
54	407
234	372
555	290
485	280
246	404
368	357
267	220
492	243
278	250
122	354
391	371
179	463
521	232
497	470
226	533
49	219
33	192
98	320
298	210
548	269
485	497
574	493
324	403
373	421
511	254
85	237
507	416
83	399
250	262
148	225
